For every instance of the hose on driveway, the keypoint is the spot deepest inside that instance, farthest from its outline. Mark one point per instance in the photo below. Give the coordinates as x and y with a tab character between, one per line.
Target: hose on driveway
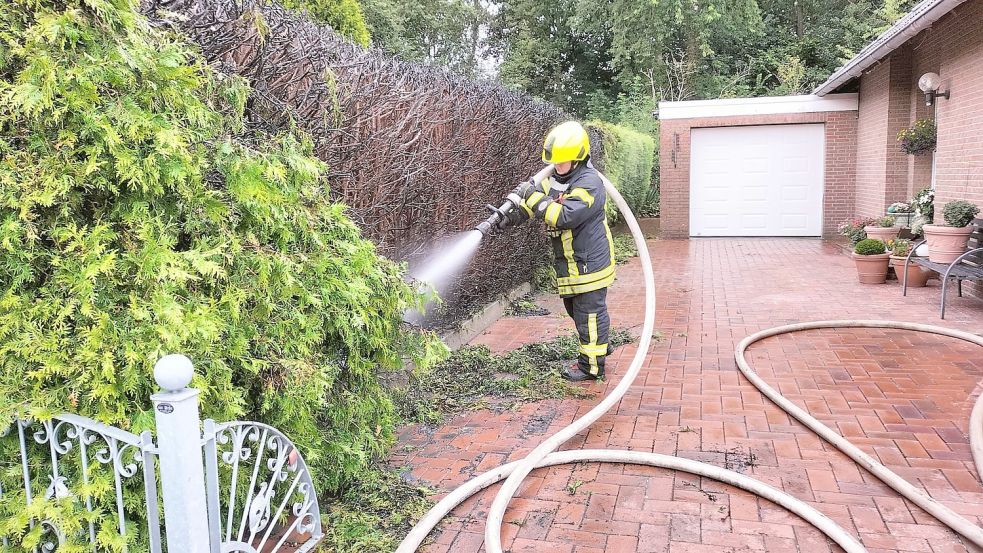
545	454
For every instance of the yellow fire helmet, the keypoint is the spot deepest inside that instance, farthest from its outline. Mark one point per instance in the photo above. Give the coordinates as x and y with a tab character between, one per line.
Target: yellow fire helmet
567	142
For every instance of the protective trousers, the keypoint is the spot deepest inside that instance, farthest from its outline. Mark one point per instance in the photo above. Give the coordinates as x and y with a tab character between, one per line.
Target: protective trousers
589	312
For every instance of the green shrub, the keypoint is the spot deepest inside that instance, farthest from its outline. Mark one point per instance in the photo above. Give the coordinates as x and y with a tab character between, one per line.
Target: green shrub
624	248
344	16
959	213
628	159
869	246
139	217
650	203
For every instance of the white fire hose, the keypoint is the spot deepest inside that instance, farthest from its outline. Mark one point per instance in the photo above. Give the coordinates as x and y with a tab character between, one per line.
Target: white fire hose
545	454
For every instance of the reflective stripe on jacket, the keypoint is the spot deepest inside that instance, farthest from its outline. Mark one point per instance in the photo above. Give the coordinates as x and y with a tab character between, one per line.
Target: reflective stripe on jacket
577	225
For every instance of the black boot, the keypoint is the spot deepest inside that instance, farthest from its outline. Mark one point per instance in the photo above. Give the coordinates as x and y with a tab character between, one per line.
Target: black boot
575	374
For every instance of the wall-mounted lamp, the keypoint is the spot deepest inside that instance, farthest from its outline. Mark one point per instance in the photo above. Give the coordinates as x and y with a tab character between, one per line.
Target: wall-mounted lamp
930	84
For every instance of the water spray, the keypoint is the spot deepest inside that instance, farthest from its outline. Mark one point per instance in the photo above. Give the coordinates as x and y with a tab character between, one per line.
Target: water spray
443	266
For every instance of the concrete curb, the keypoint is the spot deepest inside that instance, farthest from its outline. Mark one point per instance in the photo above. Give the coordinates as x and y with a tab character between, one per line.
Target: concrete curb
473	327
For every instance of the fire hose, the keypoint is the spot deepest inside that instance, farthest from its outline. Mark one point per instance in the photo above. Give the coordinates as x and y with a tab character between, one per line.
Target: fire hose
545	454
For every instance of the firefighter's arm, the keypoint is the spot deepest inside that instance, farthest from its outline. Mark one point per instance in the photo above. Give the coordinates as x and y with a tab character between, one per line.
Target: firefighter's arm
576	206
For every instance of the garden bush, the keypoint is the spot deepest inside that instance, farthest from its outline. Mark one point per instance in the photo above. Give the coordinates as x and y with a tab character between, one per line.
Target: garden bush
853	229
627	160
959	213
140	214
344	16
869	246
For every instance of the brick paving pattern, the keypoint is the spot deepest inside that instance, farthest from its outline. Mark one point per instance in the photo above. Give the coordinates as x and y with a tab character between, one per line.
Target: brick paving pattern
903	397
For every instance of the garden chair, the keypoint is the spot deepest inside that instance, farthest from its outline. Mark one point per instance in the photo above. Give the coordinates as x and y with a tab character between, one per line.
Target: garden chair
968	266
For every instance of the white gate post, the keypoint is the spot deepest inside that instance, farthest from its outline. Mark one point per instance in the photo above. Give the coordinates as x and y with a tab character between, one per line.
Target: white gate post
182	473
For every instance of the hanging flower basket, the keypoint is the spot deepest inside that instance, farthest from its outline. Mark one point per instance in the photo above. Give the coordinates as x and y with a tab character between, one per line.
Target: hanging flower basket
919	138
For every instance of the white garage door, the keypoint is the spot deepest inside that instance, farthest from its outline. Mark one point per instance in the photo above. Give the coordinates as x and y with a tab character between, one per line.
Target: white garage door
764	180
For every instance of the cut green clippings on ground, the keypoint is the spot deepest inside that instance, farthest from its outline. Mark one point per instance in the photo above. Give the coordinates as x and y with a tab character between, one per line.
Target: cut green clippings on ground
525	307
472	378
373	514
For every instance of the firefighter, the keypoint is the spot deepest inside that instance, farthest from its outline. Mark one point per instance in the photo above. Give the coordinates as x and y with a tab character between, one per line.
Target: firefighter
571	203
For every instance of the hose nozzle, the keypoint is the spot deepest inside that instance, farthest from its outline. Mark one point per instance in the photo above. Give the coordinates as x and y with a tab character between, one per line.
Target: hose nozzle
485	226
499	217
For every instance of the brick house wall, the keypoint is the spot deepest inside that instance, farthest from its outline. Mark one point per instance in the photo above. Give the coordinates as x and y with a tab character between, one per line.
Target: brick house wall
674	169
891	100
871	157
955	46
884	172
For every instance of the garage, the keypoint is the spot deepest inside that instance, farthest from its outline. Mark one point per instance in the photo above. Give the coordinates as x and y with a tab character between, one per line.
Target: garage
762	167
762	180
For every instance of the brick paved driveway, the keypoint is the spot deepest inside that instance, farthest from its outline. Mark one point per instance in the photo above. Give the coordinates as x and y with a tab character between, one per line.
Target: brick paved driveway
903	397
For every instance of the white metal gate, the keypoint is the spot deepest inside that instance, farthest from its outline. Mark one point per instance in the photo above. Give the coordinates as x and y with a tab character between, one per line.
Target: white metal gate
233	487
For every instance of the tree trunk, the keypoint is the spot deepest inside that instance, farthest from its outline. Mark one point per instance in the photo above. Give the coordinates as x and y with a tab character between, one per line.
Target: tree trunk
800	24
475	36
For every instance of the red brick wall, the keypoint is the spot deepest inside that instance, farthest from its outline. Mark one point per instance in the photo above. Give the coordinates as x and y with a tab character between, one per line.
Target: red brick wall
953	48
920	167
674	161
872	128
956	41
674	140
839	198
890	100
896	182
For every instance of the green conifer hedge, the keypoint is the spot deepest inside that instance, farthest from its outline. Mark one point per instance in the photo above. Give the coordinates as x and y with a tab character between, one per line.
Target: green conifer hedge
627	158
141	215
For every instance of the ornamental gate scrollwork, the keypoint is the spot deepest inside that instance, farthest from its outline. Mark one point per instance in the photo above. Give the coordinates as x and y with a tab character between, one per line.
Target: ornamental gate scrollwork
260	494
73	481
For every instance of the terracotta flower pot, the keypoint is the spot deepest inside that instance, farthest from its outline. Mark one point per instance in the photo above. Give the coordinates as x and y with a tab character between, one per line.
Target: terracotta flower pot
945	244
882	233
917	276
872	269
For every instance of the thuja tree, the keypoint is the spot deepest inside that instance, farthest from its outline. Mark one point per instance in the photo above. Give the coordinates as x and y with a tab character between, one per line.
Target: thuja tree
140	214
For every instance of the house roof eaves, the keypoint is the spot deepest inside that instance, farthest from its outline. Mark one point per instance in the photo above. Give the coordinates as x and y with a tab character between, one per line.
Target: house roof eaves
918	19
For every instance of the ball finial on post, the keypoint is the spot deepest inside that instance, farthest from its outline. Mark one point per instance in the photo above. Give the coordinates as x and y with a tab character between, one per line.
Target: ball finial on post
173	372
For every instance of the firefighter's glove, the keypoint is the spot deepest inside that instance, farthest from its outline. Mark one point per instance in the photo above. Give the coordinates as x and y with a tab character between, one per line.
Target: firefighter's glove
515	216
525	189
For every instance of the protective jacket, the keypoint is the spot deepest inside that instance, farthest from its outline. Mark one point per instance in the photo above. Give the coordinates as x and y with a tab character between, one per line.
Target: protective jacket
576	223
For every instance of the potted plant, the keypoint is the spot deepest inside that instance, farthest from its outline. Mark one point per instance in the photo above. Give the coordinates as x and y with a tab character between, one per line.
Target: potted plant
883	229
916	275
919	138
924	207
854	229
903	212
871	259
947	242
